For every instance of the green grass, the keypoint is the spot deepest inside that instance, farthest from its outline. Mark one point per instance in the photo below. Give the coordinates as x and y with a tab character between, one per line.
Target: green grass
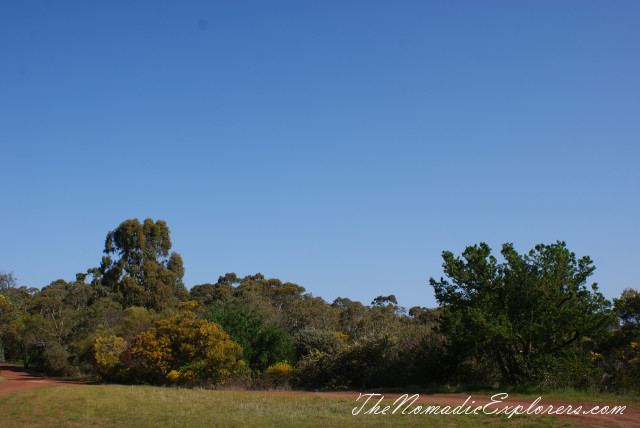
582	397
143	406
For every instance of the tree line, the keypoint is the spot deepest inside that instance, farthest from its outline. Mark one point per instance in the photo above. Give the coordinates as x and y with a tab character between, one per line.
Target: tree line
530	319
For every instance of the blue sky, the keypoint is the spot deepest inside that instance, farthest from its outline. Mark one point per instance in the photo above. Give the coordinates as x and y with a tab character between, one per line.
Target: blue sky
339	145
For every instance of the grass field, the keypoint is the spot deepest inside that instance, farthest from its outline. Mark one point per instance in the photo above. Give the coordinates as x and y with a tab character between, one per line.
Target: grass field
142	406
524	393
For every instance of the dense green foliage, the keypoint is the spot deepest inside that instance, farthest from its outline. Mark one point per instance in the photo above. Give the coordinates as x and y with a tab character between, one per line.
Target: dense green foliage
263	344
528	315
619	354
145	274
529	319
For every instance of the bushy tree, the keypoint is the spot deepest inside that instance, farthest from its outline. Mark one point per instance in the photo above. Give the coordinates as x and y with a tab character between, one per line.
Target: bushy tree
628	307
309	312
45	330
181	349
279	374
619	355
354	320
208	293
7	315
263	343
313	339
7	280
144	272
523	312
361	364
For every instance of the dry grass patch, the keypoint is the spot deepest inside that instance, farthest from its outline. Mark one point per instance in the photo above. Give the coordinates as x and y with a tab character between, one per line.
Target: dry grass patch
142	406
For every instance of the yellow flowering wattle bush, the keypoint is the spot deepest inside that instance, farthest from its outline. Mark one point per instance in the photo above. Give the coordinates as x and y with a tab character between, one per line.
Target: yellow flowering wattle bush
280	373
107	352
178	350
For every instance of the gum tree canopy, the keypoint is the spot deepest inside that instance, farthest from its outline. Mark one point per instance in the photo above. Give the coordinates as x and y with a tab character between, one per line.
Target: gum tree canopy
143	272
525	312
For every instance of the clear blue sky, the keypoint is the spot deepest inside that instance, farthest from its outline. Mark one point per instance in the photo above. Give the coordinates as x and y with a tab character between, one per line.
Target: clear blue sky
339	145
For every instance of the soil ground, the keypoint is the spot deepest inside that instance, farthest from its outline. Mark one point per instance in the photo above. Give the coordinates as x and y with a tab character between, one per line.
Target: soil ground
17	379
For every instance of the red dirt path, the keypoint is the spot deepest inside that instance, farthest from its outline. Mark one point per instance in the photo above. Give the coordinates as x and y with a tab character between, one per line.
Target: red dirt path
18	379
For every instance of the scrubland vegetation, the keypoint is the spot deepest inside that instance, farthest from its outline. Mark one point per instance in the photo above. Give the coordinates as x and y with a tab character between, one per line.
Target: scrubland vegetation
528	321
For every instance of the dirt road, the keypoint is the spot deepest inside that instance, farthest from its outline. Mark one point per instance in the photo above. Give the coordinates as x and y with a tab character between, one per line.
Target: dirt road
17	379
